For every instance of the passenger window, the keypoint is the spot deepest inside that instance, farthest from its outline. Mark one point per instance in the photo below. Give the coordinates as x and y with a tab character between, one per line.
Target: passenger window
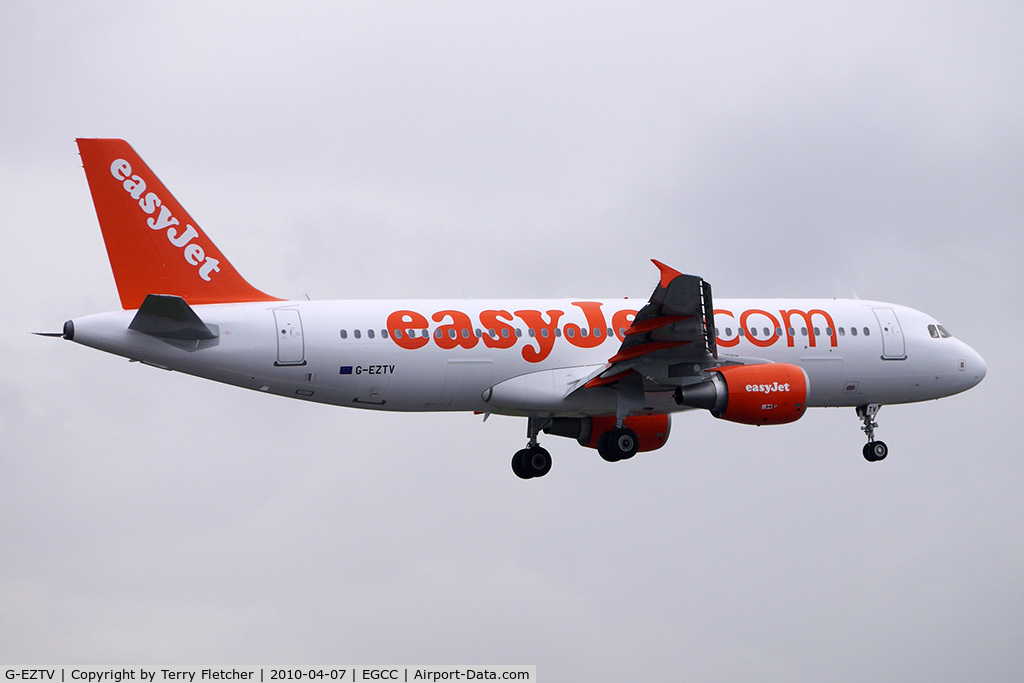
767	332
532	332
398	334
753	331
384	334
842	332
778	331
344	334
519	332
569	332
803	331
504	332
828	331
369	333
740	332
792	332
728	332
817	332
465	333
597	331
867	332
558	331
544	332
853	331
611	332
437	333
357	334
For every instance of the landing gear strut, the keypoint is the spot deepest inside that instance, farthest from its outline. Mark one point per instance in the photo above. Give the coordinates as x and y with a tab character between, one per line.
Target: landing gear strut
873	450
532	461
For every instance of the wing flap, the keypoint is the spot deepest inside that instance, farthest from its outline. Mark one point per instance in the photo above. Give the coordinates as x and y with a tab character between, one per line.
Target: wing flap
601	381
656	323
642	349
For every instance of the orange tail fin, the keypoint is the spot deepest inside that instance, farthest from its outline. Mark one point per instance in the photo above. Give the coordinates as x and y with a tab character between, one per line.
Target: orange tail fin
153	244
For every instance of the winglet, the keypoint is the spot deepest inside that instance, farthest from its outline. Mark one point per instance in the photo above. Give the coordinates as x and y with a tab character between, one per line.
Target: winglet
153	245
667	274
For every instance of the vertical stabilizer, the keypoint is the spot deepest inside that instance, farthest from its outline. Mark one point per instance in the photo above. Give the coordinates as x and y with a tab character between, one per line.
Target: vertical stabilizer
153	244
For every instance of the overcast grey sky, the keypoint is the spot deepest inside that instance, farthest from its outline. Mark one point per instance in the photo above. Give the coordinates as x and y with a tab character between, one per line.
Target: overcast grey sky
384	149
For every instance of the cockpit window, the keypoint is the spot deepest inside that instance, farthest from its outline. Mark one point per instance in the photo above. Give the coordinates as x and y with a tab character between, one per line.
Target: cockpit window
938	332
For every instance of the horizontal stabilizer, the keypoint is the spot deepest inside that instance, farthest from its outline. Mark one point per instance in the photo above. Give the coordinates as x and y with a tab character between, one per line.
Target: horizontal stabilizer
169	317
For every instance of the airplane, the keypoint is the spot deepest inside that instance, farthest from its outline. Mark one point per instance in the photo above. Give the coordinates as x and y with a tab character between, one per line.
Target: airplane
608	373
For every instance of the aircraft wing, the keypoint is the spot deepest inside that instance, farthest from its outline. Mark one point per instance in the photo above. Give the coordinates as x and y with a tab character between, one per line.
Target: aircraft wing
672	337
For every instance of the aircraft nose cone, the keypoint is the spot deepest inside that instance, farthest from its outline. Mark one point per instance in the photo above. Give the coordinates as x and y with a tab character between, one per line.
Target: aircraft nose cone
976	367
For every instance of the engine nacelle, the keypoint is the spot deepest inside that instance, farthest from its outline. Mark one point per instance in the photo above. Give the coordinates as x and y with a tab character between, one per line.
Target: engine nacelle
652	430
772	393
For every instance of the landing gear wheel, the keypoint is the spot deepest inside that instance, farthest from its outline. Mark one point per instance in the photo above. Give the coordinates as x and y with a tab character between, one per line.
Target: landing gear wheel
538	461
605	449
519	464
531	462
626	442
618	444
875	451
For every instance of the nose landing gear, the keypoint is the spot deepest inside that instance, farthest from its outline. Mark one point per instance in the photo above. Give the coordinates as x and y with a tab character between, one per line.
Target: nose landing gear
873	450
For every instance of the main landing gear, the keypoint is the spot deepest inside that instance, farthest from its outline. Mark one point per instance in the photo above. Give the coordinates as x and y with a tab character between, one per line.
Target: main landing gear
873	450
532	461
620	443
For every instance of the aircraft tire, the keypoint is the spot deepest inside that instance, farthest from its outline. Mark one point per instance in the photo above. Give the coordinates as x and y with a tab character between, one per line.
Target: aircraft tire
880	450
537	461
626	442
875	451
520	465
606	449
618	444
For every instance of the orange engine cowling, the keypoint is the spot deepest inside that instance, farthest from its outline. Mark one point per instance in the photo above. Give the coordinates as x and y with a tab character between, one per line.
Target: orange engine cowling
651	430
772	393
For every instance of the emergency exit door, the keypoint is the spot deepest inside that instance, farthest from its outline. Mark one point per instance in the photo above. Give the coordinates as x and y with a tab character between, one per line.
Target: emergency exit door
291	350
893	345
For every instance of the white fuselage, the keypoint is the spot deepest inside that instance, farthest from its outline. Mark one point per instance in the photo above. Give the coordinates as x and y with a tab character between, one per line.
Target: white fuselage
348	353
